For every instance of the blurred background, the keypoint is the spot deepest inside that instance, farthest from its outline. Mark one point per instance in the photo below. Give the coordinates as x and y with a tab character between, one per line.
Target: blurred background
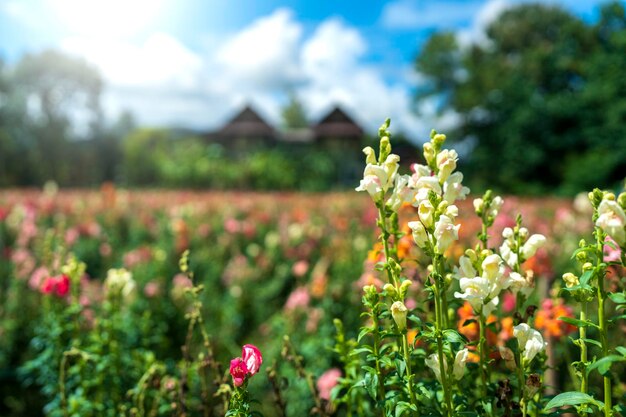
275	95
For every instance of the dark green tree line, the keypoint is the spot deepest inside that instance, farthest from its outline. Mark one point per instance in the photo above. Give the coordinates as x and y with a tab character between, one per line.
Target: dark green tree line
542	101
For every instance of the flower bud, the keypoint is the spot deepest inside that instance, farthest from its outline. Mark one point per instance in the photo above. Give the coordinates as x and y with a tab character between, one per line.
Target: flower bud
370	155
621	200
570	279
390	290
399	312
385	148
438	140
609	196
479	205
471	254
429	153
587	266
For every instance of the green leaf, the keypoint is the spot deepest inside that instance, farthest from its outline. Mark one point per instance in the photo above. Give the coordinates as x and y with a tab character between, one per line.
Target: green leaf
452	336
604	365
578	323
593	342
364	331
371	383
622	350
401	408
618	298
586	277
572	398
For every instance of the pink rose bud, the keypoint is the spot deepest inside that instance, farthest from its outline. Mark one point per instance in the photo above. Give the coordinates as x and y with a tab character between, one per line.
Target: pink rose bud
238	371
252	357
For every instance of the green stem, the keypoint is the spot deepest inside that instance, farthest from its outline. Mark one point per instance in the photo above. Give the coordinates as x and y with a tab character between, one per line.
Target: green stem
407	360
481	354
483	235
385	238
604	339
381	381
522	383
584	384
439	295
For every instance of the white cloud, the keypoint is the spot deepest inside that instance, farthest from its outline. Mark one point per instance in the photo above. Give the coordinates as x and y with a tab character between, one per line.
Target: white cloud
265	54
476	33
164	82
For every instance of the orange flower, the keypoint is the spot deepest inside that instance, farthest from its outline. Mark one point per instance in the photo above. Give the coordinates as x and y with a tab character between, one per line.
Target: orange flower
547	319
472	330
376	253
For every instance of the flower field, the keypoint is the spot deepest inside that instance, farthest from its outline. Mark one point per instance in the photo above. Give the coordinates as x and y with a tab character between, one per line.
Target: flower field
135	303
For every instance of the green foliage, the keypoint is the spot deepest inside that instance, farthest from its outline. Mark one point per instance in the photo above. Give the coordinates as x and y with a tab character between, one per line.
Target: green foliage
542	99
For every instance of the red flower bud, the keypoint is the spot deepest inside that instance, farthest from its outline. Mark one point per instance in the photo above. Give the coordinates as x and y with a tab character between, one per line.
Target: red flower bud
238	370
252	357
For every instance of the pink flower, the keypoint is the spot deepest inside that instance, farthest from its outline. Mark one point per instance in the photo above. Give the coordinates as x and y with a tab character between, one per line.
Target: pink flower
612	254
327	381
238	371
299	298
252	357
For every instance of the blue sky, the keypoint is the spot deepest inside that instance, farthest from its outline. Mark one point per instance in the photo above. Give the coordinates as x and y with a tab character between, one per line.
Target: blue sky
195	62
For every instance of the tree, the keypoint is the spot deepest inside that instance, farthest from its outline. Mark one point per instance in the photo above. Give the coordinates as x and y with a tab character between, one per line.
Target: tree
537	100
63	96
294	116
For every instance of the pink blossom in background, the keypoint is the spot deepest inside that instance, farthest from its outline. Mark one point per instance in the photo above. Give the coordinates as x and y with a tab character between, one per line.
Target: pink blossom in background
152	289
300	268
37	277
231	226
299	298
313	319
508	302
251	355
612	254
71	236
238	371
327	381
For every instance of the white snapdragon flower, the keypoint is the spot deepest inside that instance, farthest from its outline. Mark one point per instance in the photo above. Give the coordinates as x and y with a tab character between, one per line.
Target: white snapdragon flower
532	244
493	270
120	281
432	361
445	232
420	171
506	249
374	181
612	219
459	363
446	162
453	189
466	269
424	185
520	284
403	192
496	205
475	290
530	341
452	211
458	370
419	233
426	213
398	313
391	165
